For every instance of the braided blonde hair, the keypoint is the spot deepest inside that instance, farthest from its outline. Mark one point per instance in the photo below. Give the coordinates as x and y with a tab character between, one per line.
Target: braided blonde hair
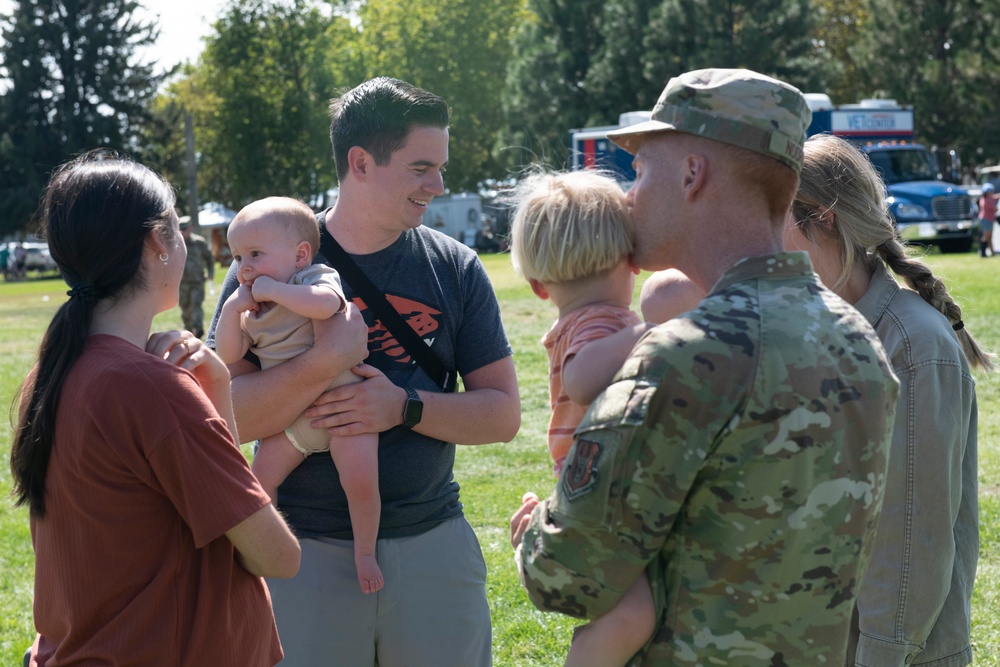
837	178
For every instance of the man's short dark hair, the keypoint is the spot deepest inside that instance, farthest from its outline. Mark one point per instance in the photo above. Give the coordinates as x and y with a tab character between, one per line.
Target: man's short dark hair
378	116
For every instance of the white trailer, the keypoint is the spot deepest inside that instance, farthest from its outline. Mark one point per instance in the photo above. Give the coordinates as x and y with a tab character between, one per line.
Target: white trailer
458	215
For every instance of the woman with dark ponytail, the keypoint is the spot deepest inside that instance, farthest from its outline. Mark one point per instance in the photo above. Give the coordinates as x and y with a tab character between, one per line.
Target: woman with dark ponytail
150	533
914	600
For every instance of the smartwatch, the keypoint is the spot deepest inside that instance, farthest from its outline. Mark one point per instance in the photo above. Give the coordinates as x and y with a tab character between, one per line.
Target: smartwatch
413	409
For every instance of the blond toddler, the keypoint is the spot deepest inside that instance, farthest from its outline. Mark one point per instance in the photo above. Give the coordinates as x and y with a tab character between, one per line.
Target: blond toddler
572	239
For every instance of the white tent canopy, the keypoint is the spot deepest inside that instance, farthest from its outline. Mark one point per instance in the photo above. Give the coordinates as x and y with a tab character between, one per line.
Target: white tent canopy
214	214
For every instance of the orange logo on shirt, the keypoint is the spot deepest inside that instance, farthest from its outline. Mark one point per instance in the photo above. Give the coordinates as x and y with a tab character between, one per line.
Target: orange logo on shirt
422	318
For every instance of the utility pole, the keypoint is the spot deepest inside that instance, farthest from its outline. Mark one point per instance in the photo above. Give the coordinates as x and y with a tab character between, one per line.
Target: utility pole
192	171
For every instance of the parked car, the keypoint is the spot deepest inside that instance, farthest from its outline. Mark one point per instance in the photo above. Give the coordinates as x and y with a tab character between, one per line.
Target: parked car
38	258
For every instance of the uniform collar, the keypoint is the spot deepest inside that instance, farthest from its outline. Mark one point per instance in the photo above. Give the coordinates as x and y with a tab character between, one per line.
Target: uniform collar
780	265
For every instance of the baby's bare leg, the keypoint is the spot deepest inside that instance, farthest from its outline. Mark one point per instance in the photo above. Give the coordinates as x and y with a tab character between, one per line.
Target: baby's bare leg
356	458
612	639
275	459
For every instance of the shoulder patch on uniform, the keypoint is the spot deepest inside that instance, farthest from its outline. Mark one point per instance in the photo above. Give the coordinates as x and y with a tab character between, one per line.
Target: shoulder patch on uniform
580	476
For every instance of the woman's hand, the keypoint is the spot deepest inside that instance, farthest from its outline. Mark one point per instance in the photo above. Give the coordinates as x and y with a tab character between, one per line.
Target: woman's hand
184	349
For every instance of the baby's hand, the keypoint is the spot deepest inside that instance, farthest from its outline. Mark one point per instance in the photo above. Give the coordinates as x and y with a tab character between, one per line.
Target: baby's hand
242	299
519	522
263	288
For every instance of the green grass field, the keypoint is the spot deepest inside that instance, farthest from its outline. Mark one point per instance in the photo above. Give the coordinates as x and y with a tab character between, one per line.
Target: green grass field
493	477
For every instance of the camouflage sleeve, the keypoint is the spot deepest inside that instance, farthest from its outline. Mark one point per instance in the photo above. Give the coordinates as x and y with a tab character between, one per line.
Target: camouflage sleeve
623	484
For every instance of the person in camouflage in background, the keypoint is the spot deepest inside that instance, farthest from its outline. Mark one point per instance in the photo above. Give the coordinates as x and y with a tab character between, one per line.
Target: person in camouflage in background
739	455
199	267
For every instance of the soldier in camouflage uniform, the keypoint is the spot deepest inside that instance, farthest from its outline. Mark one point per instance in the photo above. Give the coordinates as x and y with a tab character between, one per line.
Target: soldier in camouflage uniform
200	266
739	455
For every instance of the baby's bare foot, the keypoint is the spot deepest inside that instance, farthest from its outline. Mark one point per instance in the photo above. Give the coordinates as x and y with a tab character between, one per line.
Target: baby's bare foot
369	574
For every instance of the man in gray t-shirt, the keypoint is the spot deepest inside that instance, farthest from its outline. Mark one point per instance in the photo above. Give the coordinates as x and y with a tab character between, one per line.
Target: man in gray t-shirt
390	143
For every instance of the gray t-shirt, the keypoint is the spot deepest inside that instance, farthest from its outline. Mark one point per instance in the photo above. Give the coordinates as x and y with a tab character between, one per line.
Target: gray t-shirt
440	287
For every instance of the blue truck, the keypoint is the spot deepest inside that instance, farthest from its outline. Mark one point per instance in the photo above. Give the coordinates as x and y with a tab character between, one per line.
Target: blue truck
928	210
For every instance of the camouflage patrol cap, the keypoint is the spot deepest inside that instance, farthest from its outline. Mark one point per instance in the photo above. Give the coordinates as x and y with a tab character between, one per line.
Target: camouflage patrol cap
734	106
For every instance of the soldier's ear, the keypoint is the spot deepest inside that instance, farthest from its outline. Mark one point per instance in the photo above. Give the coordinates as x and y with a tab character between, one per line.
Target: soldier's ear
695	167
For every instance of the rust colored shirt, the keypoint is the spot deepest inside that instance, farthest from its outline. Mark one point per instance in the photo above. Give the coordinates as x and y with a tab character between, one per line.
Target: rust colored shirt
132	562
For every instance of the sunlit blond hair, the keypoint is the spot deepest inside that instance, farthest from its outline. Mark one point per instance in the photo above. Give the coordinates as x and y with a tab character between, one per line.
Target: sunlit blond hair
838	178
568	226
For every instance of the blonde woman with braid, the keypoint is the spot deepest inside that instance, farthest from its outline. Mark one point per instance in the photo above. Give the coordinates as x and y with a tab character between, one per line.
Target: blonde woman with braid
914	600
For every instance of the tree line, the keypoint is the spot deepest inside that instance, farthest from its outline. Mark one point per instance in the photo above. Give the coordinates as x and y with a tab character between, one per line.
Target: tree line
518	74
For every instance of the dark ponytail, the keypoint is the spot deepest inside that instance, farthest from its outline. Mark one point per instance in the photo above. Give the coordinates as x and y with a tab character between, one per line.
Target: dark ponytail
97	212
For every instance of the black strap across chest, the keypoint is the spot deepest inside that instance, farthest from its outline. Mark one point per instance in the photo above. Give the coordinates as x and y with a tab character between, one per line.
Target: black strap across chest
339	259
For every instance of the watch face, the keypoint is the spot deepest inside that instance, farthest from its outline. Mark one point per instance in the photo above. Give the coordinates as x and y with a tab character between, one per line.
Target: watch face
413	410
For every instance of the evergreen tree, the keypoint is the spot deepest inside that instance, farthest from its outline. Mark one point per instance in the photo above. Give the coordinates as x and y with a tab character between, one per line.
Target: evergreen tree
981	134
578	64
940	56
615	80
838	24
773	37
75	83
546	95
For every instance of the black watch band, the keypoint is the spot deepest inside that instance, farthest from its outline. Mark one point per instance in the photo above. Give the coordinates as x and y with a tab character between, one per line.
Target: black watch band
413	409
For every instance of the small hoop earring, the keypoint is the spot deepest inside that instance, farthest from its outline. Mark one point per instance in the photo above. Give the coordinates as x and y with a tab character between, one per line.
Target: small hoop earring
164	257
